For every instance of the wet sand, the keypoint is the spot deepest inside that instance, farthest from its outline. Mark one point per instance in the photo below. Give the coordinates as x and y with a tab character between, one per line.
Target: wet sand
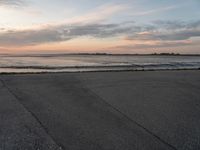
146	110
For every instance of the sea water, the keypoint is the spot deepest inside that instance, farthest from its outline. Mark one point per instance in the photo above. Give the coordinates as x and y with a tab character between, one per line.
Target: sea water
79	63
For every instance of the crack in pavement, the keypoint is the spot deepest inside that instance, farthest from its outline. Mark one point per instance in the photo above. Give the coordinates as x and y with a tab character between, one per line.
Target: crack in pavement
135	122
60	147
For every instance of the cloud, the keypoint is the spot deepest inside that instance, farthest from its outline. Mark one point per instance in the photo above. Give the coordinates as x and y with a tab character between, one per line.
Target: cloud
155	45
13	3
166	36
168	31
163	34
85	25
170	25
153	11
99	14
2	29
29	37
179	35
159	31
61	33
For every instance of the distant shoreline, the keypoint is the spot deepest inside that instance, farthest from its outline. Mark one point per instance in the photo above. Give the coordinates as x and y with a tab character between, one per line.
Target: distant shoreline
94	54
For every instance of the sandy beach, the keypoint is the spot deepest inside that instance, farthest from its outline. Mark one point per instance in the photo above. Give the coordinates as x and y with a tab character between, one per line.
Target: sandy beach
144	110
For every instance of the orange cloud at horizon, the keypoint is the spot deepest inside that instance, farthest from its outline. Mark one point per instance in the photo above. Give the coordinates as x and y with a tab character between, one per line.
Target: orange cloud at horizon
72	46
111	45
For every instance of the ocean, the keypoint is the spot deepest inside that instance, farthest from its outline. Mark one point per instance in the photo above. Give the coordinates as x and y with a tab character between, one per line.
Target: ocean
84	62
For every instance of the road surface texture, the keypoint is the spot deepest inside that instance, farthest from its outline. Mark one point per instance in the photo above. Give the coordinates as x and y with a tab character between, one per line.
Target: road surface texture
150	110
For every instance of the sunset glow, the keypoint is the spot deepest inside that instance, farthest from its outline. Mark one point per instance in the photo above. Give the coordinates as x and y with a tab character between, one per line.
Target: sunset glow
114	26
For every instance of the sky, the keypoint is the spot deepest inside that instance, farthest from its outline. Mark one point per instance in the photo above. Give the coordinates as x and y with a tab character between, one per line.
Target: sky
100	26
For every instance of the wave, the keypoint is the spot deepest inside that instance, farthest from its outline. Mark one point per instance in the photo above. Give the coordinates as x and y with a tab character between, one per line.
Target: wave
109	66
